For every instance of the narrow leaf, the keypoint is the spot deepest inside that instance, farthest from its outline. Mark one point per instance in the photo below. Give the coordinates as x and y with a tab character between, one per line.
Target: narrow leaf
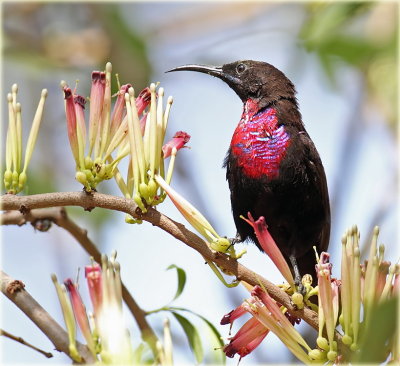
181	280
380	333
192	336
213	329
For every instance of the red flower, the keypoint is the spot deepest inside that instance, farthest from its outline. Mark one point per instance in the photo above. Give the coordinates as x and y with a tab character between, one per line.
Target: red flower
95	283
179	140
246	340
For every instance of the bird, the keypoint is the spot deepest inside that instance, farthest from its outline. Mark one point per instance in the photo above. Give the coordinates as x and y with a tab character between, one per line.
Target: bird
272	166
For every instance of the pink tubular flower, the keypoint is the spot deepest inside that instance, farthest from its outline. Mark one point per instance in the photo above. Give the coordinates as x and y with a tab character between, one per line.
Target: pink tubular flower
246	340
80	102
96	105
119	109
335	298
267	311
325	295
269	246
233	315
179	140
143	100
71	122
284	319
94	280
80	312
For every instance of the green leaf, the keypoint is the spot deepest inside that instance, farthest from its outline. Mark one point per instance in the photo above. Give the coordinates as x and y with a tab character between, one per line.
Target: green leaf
211	326
192	336
381	333
181	280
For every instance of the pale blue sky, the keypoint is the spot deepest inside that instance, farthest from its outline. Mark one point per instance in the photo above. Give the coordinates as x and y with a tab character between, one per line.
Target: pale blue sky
208	110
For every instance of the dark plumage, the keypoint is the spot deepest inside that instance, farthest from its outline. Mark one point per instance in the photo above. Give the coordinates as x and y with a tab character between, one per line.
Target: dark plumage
273	167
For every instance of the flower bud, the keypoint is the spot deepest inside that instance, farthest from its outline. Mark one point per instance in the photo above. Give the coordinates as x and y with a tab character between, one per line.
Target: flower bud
323	343
22	180
317	354
297	299
331	355
347	339
7	179
81	178
88	163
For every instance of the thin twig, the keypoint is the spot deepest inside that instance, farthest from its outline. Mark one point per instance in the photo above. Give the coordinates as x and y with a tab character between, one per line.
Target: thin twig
88	201
15	291
59	216
25	343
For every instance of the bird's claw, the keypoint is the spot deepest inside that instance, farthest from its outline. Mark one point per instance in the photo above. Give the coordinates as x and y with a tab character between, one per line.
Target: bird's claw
301	288
236	240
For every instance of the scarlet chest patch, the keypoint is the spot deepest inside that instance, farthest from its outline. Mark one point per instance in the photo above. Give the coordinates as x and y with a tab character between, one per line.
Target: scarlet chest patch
259	143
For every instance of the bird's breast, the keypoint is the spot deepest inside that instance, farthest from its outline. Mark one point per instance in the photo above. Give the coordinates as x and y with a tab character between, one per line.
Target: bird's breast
259	143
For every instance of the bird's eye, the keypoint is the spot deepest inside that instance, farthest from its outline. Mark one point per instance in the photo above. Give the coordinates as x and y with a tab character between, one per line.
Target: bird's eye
240	68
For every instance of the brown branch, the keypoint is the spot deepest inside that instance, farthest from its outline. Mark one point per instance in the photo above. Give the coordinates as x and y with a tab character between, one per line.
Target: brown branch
15	291
89	201
25	343
60	217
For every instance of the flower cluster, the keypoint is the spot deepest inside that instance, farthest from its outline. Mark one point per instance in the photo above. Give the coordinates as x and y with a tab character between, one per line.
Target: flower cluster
135	127
103	328
361	288
15	177
364	285
267	315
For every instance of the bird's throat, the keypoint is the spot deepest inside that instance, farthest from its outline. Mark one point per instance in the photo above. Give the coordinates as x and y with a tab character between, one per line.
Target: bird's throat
259	142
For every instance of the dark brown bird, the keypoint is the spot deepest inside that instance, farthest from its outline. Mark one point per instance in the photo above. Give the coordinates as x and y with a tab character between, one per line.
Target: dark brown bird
272	166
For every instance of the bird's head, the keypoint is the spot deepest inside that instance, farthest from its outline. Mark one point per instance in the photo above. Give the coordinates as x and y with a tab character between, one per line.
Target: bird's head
259	81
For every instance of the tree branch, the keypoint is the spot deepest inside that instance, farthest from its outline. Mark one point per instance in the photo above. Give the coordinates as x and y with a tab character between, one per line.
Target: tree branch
16	292
60	217
88	201
25	343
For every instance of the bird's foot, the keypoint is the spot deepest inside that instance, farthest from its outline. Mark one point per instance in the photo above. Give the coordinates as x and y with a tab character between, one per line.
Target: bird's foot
300	290
236	240
300	287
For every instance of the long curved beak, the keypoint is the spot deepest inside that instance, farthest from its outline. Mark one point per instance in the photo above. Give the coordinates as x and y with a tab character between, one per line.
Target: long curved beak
210	70
216	71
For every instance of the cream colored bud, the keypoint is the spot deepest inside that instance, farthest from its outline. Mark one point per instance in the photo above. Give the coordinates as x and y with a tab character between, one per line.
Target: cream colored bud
81	178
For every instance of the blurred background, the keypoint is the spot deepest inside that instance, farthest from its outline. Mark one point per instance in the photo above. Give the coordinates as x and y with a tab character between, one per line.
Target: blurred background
342	57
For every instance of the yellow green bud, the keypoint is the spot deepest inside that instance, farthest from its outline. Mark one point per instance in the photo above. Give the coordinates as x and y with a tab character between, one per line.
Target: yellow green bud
331	355
130	220
323	343
354	347
317	354
152	188
139	202
81	177
297	299
22	180
347	339
15	177
7	179
89	176
88	163
144	191
220	244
